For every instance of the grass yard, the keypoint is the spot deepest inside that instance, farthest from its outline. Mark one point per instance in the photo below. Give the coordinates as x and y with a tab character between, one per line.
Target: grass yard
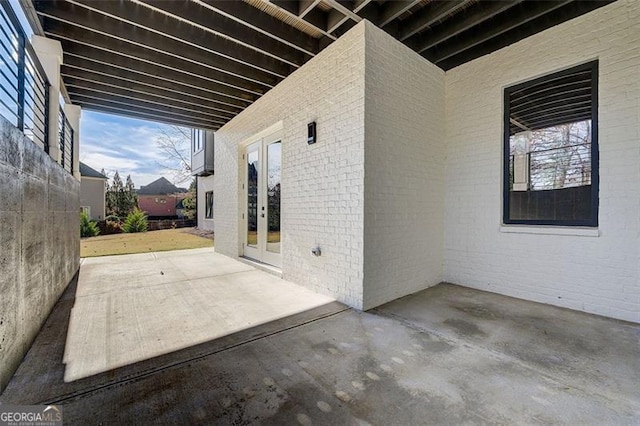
144	242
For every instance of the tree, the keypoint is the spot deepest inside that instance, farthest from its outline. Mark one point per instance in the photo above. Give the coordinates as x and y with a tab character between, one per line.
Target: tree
174	143
130	195
107	198
560	155
121	199
190	201
88	228
136	222
114	196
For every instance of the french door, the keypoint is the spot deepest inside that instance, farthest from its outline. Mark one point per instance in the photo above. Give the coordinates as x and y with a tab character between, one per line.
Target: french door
263	172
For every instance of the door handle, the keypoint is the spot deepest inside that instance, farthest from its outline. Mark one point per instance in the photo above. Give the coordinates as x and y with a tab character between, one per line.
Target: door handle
262	215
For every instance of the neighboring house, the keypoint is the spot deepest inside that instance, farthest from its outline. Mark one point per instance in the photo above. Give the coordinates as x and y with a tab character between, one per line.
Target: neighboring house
202	168
93	185
160	198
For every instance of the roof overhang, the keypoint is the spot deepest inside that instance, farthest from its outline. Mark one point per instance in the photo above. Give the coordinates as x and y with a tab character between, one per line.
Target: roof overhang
199	63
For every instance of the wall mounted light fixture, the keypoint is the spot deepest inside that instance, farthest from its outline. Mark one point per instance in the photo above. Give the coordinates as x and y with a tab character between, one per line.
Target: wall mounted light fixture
311	133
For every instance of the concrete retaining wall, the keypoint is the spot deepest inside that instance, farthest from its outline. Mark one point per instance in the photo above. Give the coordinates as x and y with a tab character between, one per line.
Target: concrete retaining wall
39	240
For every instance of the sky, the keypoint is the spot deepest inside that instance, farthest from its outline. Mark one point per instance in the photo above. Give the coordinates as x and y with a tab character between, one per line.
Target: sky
128	145
112	142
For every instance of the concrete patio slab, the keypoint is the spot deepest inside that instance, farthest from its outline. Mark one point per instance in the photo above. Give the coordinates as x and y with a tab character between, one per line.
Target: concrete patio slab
134	307
447	355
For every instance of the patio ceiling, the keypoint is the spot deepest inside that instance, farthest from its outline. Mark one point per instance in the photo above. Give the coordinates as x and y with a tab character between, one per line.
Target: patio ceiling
198	63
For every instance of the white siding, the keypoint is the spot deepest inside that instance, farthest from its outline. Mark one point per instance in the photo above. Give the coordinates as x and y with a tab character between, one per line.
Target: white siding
92	195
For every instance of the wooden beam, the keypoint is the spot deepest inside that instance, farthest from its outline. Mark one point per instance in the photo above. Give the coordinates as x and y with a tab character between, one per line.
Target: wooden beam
100	43
142	106
123	112
266	24
315	17
427	16
520	15
218	56
220	25
74	77
79	87
475	15
82	56
306	6
358	5
391	10
334	20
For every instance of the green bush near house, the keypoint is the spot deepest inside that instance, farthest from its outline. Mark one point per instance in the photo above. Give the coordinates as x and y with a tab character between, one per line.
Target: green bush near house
109	227
88	228
114	218
135	222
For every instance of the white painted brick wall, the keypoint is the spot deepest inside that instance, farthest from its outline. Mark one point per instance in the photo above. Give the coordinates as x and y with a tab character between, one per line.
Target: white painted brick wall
404	170
593	274
322	184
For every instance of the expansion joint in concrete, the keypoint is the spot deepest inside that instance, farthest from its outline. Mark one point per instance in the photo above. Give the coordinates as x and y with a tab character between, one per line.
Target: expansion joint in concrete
141	375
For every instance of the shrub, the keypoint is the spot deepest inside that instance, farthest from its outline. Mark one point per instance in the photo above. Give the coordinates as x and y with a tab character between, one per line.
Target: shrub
109	227
114	218
88	227
136	222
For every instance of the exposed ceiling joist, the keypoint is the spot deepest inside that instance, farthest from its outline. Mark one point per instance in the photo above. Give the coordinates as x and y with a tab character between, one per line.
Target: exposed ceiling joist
393	9
218	56
98	85
315	17
427	16
266	24
494	28
306	6
473	16
124	67
203	61
221	26
142	115
99	44
130	103
74	74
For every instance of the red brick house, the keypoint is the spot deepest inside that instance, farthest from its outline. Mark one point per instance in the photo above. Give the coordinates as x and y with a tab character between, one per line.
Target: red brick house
160	198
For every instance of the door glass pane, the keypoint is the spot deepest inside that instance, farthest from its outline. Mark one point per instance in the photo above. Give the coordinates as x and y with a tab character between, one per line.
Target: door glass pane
274	157
252	198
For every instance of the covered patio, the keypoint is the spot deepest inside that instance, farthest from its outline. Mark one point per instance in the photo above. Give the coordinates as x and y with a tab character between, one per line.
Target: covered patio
410	293
445	355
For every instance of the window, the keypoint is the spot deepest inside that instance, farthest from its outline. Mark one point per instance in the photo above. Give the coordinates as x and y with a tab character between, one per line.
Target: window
197	139
208	209
550	165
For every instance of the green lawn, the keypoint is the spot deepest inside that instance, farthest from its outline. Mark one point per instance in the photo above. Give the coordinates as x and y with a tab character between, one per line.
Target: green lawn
143	242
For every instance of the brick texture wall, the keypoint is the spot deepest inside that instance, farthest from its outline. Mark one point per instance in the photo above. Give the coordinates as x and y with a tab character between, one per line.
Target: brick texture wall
404	170
593	274
322	184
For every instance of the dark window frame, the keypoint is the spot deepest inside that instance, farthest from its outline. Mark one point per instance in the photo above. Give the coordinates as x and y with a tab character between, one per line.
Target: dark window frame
208	205
595	160
197	140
